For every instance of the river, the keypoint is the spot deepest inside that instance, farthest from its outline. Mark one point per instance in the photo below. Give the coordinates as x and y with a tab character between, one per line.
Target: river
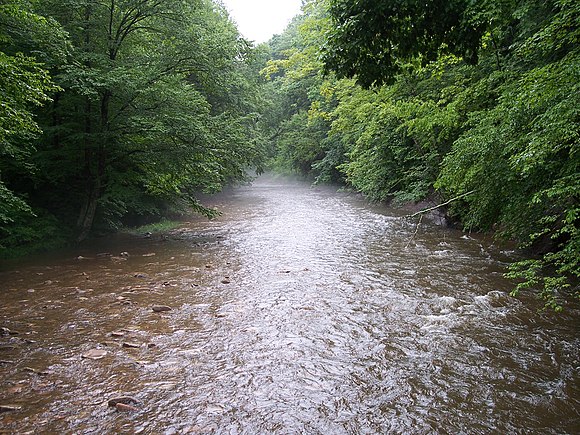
299	311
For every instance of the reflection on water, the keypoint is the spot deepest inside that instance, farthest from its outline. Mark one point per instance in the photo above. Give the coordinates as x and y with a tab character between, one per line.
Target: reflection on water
300	310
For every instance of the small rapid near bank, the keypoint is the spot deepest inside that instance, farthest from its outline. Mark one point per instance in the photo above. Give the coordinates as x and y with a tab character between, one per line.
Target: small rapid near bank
299	310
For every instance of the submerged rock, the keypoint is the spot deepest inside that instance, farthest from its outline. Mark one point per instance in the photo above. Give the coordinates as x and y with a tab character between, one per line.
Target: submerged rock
131	345
6	331
124	403
95	354
8	408
161	308
126	408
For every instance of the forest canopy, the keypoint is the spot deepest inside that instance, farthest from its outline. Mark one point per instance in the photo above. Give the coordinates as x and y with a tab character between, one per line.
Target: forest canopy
113	110
480	101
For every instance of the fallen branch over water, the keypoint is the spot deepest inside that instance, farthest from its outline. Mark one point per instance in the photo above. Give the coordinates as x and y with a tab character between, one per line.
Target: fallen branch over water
415	233
427	210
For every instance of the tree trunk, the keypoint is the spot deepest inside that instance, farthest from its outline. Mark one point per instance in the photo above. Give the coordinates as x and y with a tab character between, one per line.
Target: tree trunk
88	210
95	179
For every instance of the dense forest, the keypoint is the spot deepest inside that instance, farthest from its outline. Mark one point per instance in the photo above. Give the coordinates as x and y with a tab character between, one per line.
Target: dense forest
116	111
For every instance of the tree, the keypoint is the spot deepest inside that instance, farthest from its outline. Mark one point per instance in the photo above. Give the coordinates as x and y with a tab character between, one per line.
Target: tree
152	102
147	83
24	85
486	124
374	39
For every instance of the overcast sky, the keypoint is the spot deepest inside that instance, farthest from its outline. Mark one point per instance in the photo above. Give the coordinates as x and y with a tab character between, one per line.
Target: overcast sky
258	20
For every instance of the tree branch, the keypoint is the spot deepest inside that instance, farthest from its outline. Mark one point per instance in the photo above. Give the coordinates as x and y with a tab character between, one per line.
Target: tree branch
427	210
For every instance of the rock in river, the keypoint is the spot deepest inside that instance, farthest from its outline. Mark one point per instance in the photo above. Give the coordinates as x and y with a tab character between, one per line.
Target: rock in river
8	408
124	403
95	354
161	308
131	345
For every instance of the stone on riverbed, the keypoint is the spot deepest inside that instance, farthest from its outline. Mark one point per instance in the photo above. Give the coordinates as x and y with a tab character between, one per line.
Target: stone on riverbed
161	308
126	408
124	403
131	345
8	408
95	354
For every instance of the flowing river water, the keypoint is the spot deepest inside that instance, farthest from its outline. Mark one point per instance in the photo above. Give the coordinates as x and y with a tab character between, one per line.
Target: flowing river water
299	311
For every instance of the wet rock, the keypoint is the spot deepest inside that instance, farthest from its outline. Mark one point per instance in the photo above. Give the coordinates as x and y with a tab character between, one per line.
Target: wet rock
123	400
80	258
131	345
126	408
16	389
9	408
36	372
95	354
109	343
151	254
6	331
5	361
161	308
124	254
117	334
141	275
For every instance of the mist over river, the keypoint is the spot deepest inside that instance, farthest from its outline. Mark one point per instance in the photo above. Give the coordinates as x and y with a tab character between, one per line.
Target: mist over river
300	310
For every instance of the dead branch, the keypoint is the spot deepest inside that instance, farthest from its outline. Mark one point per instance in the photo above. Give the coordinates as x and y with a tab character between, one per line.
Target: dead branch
427	210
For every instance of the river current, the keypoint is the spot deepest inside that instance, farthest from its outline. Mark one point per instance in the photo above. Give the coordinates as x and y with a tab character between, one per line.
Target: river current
299	311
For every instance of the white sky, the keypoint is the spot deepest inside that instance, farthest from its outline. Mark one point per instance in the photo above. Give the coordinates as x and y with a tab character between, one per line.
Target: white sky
259	20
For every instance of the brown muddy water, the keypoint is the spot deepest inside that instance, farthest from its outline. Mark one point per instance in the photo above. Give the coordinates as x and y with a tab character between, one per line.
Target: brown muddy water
299	311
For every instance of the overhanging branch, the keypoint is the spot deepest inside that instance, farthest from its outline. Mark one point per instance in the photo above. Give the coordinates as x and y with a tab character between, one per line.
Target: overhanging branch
427	210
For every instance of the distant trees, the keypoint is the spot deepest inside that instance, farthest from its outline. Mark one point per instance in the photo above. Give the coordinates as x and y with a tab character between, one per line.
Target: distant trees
464	97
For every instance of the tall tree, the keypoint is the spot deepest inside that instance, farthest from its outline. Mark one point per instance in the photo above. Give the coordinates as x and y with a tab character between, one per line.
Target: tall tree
143	99
374	39
24	85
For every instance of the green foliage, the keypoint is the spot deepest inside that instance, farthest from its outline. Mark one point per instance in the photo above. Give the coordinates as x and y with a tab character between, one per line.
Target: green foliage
36	230
373	39
500	136
154	102
24	85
